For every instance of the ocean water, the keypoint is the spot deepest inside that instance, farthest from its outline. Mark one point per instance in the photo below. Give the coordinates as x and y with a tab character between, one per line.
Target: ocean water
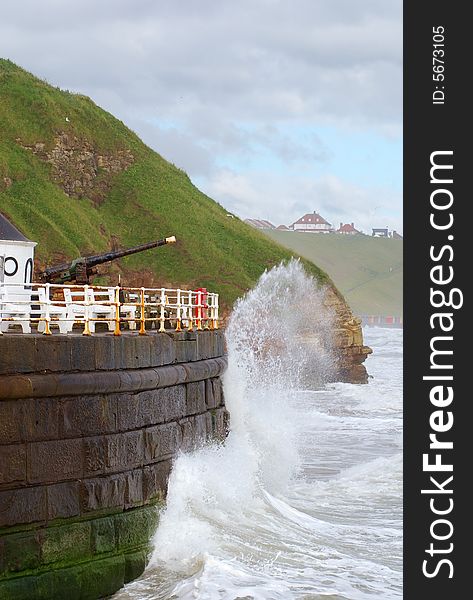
304	499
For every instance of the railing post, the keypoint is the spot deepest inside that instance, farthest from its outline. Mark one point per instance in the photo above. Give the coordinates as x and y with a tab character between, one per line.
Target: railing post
205	310
142	317
211	311
161	311
47	316
199	310
216	311
178	311
117	311
86	311
190	326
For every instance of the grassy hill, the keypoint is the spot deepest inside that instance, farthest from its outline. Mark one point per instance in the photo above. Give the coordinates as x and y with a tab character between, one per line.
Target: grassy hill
77	181
366	270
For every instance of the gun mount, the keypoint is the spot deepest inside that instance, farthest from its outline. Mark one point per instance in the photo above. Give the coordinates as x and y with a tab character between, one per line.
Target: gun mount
81	269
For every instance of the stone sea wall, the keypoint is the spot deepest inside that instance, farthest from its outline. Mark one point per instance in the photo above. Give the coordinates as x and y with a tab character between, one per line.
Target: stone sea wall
89	427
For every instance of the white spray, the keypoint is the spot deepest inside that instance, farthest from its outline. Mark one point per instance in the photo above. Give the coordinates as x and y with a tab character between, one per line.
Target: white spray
277	333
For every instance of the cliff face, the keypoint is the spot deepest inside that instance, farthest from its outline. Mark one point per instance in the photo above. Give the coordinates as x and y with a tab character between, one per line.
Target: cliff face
78	168
348	340
77	181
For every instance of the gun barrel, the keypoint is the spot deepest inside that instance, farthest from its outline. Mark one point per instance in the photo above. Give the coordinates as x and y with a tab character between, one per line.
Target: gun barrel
98	259
67	271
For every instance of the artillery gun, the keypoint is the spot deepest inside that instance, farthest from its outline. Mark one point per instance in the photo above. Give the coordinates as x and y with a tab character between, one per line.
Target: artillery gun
81	269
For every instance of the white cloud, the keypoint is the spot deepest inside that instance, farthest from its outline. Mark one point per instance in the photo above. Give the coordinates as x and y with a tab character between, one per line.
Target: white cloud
232	77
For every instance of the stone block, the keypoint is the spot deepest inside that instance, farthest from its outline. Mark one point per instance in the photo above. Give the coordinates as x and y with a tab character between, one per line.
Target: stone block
198	370
194	432
66	543
128	411
87	415
155	480
82	350
174	401
122	355
12	417
20	588
186	350
102	493
219	343
102	578
135	564
161	441
151	408
52	353
95	456
21	506
204	345
195	398
53	461
222	423
20	552
137	352
133	488
104	349
162	350
134	528
17	354
218	391
210	400
95	579
124	450
60	583
12	463
63	500
41	419
103	535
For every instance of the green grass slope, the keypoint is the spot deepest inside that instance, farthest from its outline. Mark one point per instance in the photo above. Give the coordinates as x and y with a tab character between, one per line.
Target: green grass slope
366	270
148	200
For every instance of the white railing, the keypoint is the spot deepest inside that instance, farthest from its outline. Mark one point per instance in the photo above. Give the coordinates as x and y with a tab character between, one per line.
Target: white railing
42	307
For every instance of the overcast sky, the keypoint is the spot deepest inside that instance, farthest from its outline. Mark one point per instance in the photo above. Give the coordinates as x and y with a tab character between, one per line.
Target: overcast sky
274	108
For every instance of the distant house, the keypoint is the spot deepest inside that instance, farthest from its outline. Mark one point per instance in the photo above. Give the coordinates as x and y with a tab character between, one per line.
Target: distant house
312	223
380	232
260	223
397	236
283	228
347	229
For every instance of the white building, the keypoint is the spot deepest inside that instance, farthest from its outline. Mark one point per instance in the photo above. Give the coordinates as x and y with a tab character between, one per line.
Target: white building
312	223
16	254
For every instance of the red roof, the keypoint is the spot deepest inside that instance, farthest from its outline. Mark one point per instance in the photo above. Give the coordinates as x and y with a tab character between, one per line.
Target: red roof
283	227
347	228
314	218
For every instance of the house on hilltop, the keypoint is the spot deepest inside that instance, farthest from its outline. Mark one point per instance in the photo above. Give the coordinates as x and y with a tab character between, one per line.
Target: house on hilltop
347	229
312	223
380	232
384	232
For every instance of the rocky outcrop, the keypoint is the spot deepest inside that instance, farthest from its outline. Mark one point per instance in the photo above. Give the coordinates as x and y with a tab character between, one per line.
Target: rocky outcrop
348	340
79	168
